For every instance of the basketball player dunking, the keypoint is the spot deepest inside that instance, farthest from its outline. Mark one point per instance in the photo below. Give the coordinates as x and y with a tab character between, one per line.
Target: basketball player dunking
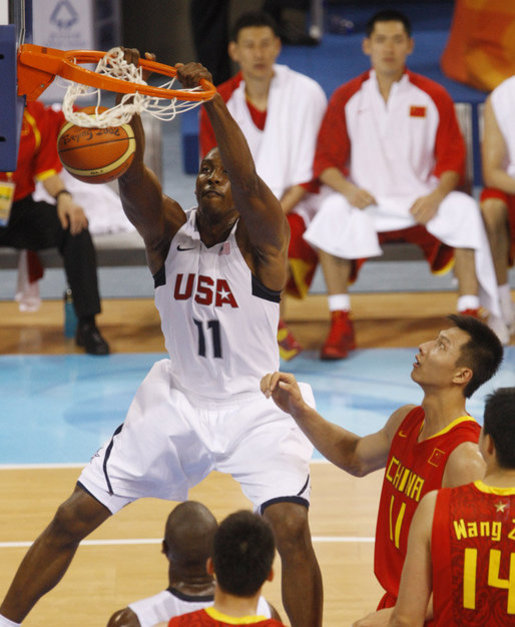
218	273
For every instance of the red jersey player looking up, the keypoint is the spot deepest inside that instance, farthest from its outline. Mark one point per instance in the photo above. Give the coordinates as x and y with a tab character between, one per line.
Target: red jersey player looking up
422	447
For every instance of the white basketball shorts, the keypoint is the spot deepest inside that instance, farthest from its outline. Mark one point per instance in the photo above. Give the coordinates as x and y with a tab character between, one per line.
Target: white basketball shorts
168	444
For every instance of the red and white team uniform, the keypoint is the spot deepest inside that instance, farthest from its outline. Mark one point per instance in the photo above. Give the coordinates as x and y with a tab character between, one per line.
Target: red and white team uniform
282	141
202	409
473	556
169	603
413	468
396	150
503	103
37	153
210	617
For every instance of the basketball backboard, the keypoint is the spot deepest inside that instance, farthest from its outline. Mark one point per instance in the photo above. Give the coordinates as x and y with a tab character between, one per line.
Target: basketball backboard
15	29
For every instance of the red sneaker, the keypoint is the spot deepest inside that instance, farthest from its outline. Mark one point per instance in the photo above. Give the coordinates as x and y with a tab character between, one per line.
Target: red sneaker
341	338
288	345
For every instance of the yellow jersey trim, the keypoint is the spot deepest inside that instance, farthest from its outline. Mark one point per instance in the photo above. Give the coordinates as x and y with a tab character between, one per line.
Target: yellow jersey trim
450	426
490	489
34	126
447	268
233	620
42	176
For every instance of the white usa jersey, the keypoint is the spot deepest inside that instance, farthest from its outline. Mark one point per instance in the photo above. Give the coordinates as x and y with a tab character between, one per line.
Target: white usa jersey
169	603
219	322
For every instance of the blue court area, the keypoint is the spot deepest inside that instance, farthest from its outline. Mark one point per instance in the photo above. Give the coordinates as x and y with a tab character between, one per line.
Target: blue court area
60	409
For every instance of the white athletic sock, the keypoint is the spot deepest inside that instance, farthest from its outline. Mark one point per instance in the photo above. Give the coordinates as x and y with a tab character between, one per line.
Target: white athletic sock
339	302
468	301
5	622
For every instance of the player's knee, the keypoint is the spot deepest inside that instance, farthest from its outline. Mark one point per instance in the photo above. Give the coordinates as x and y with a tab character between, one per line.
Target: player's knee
495	214
289	522
77	517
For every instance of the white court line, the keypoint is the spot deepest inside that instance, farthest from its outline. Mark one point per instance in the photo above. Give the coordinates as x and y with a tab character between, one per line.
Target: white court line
37	466
127	541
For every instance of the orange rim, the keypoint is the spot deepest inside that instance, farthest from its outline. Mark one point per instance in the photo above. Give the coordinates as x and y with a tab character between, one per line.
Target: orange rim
38	66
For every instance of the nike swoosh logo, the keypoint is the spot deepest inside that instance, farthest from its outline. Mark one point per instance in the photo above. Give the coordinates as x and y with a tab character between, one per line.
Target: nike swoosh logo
179	248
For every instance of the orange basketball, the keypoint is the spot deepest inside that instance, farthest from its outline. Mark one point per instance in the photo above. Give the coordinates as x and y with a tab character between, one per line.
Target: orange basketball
96	155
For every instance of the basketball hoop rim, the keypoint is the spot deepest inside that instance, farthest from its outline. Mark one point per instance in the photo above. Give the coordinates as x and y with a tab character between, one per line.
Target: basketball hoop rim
38	66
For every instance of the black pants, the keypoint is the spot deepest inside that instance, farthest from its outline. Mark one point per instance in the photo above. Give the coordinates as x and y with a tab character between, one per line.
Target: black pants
35	226
210	29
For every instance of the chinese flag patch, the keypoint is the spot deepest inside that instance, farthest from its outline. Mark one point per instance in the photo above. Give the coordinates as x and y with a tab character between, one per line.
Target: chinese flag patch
417	112
436	457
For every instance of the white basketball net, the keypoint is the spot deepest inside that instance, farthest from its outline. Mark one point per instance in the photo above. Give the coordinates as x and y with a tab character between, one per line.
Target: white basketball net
113	64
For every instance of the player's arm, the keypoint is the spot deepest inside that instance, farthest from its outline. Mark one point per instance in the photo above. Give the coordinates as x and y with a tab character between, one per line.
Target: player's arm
291	197
356	196
493	153
124	618
206	135
333	151
464	465
264	232
416	580
156	216
353	453
70	214
425	207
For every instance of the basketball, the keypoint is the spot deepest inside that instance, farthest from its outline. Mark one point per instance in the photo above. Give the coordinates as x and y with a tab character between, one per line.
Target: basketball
96	155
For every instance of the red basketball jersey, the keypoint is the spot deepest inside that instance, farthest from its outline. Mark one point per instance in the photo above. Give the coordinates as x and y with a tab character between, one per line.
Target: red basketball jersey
210	617
413	468
473	555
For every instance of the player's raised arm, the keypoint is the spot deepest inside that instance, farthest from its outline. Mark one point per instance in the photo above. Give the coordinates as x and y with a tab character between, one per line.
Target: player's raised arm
353	453
265	225
156	216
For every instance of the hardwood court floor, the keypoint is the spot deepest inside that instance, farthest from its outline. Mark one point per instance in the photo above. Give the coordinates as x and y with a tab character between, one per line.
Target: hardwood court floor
132	325
121	562
107	574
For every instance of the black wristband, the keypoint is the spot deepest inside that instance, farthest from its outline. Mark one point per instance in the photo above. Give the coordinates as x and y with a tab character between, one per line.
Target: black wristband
61	191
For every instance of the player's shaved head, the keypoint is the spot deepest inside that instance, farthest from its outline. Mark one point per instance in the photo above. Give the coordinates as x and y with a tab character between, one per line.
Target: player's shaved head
189	533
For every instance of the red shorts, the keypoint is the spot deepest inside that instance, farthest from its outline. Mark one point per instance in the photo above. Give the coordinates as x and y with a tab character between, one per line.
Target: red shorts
302	258
439	256
509	200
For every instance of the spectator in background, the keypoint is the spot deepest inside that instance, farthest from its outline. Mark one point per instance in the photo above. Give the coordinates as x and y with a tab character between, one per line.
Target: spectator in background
498	198
391	149
291	17
210	27
38	225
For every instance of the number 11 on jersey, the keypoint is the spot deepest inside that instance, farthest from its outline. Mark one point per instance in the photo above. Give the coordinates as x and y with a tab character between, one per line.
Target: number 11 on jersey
213	332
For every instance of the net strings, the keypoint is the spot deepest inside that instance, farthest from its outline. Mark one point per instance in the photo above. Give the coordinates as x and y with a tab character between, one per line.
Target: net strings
114	64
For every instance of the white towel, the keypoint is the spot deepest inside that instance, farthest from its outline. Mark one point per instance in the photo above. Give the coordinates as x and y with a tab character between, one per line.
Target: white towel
350	233
283	152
